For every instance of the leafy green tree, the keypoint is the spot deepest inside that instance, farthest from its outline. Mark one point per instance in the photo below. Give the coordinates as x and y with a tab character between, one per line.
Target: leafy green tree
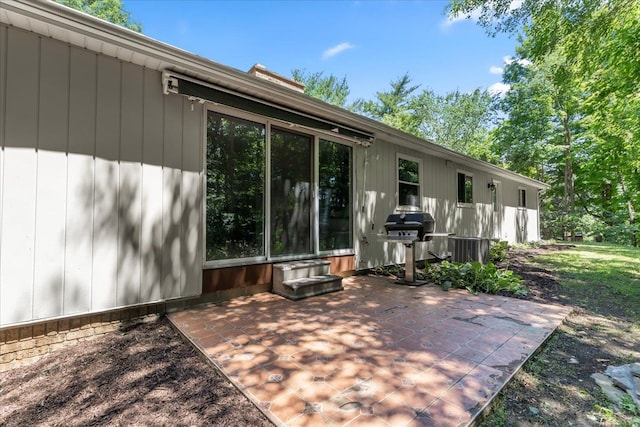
457	120
327	88
509	16
521	139
109	10
611	83
572	115
395	107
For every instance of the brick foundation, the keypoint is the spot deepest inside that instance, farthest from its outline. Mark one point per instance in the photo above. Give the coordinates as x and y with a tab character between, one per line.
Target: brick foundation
21	345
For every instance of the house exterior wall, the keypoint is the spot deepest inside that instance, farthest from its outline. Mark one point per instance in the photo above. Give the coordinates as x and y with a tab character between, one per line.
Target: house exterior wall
100	183
376	197
520	224
101	178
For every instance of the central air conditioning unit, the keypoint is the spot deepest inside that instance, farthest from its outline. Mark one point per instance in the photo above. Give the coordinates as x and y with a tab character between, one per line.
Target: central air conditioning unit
468	249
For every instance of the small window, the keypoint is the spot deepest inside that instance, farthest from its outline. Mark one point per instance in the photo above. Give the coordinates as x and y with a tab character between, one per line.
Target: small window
408	183
465	188
494	198
522	198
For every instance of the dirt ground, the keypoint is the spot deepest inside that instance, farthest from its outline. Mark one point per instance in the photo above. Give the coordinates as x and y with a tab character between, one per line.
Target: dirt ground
145	374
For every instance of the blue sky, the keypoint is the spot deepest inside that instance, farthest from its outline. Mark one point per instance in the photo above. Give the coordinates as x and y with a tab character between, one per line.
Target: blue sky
370	42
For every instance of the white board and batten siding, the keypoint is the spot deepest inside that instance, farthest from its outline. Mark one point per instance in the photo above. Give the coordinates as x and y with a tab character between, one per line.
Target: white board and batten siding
521	224
100	183
376	197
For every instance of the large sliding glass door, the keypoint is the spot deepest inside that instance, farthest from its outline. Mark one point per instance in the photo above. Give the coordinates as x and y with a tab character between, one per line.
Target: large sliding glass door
273	194
291	188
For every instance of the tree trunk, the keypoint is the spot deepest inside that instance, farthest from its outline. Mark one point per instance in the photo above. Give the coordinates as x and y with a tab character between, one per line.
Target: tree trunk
569	199
569	190
632	222
630	210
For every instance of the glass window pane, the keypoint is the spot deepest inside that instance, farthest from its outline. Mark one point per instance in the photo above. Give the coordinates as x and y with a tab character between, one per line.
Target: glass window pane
290	193
522	198
465	188
468	189
235	188
408	195
460	187
494	198
408	183
335	196
408	171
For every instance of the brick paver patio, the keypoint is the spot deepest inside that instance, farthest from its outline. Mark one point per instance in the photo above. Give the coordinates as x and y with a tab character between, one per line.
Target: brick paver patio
375	354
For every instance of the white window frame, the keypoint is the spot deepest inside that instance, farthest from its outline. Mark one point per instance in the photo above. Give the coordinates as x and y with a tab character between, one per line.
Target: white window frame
473	189
419	184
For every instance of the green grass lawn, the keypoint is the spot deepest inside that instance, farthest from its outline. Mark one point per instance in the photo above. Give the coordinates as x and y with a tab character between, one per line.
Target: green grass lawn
603	282
599	274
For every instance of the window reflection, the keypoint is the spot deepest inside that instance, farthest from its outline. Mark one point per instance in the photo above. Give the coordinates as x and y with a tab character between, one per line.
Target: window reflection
290	193
335	196
235	188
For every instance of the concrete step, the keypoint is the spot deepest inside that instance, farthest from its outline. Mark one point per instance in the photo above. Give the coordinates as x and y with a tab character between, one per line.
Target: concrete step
308	286
285	271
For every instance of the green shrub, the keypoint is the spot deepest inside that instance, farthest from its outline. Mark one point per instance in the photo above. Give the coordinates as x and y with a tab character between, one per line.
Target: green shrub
477	277
388	270
498	250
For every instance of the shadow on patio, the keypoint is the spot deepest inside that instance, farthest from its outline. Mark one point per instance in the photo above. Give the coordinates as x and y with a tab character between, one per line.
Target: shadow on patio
376	353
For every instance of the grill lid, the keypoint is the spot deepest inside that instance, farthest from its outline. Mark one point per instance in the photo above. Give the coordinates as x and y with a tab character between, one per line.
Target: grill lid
409	226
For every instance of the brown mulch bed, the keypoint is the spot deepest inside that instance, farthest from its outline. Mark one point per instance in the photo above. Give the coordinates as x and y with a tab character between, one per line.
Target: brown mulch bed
144	375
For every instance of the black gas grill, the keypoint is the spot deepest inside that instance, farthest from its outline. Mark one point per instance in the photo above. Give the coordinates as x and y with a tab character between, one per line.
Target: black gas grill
408	227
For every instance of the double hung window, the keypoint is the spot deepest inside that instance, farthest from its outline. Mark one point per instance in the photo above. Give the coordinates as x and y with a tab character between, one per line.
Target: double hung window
408	182
522	198
465	188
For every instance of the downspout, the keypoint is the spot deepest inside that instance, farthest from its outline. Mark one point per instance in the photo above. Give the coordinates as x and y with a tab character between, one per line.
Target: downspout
538	212
362	239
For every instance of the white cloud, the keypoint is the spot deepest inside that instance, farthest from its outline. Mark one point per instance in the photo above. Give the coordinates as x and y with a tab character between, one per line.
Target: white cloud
183	27
449	21
333	51
515	4
508	60
495	70
475	14
498	88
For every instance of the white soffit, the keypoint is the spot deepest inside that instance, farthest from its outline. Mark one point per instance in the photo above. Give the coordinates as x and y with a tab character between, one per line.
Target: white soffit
66	30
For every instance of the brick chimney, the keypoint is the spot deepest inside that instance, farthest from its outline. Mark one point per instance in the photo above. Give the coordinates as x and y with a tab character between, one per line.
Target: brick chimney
261	72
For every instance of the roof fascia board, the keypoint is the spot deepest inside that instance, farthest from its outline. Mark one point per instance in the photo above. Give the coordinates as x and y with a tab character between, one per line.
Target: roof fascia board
415	143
